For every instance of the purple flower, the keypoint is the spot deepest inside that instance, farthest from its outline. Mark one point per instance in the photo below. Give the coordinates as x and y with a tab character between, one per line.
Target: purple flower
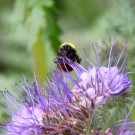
44	110
99	83
64	105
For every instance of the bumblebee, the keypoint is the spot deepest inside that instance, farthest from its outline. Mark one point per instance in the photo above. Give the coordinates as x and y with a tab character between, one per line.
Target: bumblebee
66	51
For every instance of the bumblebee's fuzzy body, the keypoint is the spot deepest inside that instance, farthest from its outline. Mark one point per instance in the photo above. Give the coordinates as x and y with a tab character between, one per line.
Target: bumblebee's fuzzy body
66	50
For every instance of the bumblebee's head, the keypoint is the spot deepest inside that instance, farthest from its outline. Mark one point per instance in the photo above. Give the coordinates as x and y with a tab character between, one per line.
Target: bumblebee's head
68	44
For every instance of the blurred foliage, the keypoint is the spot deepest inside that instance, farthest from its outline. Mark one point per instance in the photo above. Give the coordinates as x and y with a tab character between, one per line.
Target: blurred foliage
36	16
36	20
11	53
122	20
82	14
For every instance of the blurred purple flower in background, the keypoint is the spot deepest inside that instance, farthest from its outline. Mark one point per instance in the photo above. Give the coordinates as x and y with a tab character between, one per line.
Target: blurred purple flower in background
57	107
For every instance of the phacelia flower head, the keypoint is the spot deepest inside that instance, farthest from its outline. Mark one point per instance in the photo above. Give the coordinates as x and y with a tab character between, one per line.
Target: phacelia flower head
43	110
98	83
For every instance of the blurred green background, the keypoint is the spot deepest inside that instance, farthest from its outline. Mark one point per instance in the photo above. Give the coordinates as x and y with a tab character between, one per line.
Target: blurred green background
32	30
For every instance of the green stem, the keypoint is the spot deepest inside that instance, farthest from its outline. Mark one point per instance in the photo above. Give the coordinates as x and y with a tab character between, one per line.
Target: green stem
89	123
40	66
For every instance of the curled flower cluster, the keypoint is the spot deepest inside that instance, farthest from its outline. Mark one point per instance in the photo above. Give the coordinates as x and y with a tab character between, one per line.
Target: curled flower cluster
64	105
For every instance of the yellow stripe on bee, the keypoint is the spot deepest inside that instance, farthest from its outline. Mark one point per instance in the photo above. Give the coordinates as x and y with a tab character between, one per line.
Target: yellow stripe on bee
70	44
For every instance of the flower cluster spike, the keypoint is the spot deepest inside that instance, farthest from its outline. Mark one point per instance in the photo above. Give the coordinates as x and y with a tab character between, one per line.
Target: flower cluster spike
64	105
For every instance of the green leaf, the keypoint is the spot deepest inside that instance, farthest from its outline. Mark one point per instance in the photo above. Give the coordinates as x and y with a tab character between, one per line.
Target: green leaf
53	31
